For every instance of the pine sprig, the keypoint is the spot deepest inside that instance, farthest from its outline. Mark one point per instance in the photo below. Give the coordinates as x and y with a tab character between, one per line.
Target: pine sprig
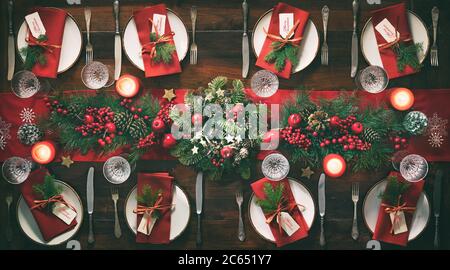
407	55
48	188
164	50
274	196
34	54
148	198
394	189
279	56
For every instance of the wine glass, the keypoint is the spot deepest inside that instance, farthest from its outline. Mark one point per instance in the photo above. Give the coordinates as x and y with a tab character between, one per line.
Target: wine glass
116	170
25	84
373	79
275	167
95	75
264	83
16	170
413	168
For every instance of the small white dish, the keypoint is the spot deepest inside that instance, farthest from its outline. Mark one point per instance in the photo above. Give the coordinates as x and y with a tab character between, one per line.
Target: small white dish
309	45
302	196
181	211
372	204
29	226
70	47
369	46
132	45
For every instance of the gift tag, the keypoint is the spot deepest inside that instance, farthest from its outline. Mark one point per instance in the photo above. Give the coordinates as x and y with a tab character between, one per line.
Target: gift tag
387	30
288	223
146	226
286	24
35	24
159	24
64	212
400	224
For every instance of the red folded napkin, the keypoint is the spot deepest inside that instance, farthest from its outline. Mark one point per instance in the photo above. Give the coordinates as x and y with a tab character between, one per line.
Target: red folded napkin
397	16
54	20
299	15
49	224
384	224
281	238
144	28
160	233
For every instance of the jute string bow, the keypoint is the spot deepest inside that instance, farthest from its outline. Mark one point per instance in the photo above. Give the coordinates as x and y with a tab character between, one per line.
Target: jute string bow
281	42
282	207
150	47
53	199
396	41
148	210
43	44
396	209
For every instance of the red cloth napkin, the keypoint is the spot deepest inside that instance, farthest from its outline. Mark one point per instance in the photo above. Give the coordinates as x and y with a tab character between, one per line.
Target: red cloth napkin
393	13
49	224
161	230
299	15
144	27
281	238
54	20
384	225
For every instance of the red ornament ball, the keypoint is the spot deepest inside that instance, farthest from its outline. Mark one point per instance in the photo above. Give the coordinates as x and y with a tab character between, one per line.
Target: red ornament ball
334	121
197	118
158	125
271	138
226	152
168	141
294	120
357	127
110	127
89	118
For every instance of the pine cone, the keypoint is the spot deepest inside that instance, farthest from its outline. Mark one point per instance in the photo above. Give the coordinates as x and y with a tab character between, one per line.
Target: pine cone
123	120
317	120
138	129
75	110
29	134
370	135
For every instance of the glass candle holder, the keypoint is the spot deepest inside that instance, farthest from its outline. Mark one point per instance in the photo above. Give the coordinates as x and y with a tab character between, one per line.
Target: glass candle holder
15	170
414	168
116	170
372	79
264	83
25	84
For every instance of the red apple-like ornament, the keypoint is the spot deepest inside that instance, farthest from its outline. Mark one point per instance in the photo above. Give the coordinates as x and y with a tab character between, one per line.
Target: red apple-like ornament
357	127
197	118
334	121
110	127
158	125
272	138
89	119
294	120
168	141
226	152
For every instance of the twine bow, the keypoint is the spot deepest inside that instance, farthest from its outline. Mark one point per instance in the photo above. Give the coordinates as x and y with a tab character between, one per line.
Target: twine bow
150	47
53	199
43	44
148	210
397	39
282	206
396	209
283	41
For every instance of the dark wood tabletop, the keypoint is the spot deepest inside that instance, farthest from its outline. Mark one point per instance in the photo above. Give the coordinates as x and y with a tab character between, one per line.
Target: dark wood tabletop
219	27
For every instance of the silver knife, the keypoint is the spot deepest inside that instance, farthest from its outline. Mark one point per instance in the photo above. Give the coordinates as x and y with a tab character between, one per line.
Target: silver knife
245	49
199	205
437	205
90	202
354	40
117	43
11	47
321	189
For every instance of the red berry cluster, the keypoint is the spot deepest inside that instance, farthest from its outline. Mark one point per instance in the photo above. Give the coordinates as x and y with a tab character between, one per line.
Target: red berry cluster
294	136
343	124
54	105
163	113
98	121
399	142
137	111
218	162
147	141
348	142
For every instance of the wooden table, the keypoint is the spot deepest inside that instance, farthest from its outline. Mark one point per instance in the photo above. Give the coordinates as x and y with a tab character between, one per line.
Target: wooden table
219	41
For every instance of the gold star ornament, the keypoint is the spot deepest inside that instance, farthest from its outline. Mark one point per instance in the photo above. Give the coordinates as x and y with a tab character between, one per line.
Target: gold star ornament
66	161
307	172
169	94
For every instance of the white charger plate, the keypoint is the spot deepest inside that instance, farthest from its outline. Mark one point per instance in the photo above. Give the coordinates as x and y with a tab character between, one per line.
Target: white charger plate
132	45
302	196
70	47
372	204
369	45
309	45
29	226
181	211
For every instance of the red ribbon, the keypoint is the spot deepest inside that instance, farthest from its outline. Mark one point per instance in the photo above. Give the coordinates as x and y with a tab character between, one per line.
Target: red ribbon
398	38
43	44
396	209
282	206
283	41
148	210
150	47
53	199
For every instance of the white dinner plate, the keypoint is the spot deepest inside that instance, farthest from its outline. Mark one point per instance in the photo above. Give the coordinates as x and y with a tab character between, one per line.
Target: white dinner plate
302	196
181	211
372	204
309	45
132	45
369	45
29	226
70	47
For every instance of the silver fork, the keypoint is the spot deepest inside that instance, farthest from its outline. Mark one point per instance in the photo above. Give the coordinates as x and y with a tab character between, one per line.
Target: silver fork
193	52
89	49
434	48
239	200
324	55
8	232
355	198
115	197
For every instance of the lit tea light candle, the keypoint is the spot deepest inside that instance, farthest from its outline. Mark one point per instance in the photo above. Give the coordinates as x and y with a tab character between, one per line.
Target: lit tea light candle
128	86
402	99
43	152
334	165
